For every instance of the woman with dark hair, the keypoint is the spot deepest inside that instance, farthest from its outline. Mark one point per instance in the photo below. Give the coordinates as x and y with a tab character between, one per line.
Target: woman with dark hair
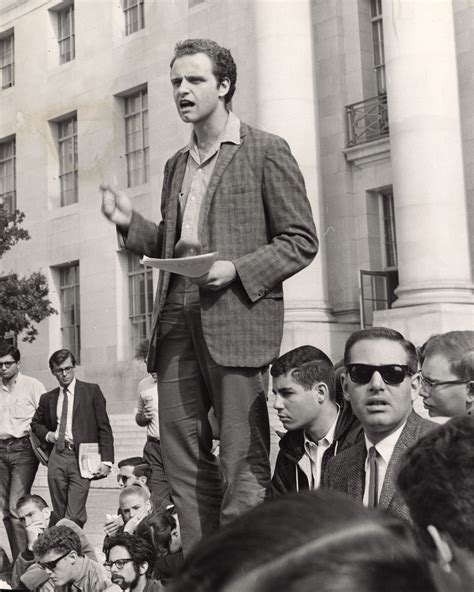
305	542
447	374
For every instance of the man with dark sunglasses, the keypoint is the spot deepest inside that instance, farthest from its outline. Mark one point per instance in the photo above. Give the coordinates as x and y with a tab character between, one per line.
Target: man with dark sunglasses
58	551
380	381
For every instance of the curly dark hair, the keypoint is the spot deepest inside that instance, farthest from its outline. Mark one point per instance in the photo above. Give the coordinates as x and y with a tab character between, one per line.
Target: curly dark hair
436	480
224	65
138	549
7	349
57	538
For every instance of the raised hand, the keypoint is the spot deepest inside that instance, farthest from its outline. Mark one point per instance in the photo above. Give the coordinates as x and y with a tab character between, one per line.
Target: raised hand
116	206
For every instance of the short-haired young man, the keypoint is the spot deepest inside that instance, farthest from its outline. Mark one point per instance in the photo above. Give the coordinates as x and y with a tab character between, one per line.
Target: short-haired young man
130	560
380	381
304	385
19	398
236	191
36	516
436	480
58	551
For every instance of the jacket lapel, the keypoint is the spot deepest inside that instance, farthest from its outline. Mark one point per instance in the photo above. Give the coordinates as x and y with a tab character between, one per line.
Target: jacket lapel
78	396
171	209
53	406
356	472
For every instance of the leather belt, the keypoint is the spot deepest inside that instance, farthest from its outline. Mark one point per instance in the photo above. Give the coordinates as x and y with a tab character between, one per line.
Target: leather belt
153	439
12	439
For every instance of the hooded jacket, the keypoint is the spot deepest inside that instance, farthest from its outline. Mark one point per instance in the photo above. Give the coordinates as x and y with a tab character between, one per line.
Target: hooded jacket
288	475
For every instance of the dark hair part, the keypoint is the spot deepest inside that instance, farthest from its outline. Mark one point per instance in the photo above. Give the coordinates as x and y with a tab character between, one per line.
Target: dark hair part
60	356
308	365
163	523
6	349
32	498
138	549
373	333
325	539
221	58
141	468
57	538
445	499
457	347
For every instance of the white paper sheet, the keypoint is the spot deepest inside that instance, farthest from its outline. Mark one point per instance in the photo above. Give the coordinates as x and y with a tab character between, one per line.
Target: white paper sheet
187	266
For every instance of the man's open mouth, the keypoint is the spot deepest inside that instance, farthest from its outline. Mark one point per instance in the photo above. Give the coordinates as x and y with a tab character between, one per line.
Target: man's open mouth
376	402
185	104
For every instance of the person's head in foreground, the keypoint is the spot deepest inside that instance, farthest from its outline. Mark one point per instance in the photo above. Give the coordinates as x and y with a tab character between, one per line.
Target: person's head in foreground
166	531
437	482
447	369
33	509
134	502
305	542
132	471
380	379
58	551
130	560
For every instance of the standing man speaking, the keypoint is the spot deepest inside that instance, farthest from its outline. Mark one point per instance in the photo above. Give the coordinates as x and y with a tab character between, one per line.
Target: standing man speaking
238	191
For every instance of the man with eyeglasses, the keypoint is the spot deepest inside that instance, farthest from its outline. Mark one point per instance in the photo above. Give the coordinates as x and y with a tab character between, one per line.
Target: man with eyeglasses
130	560
58	552
71	414
19	398
380	381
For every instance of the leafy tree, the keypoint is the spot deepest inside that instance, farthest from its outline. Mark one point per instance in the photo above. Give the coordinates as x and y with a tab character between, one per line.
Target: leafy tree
23	300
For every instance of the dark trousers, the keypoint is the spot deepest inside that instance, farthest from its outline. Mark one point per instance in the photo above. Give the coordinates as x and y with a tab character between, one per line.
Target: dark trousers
18	466
189	382
68	489
158	484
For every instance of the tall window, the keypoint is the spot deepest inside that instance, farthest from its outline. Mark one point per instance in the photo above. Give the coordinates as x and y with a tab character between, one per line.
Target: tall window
136	138
67	145
70	308
377	40
66	35
7	60
389	232
134	11
8	175
140	297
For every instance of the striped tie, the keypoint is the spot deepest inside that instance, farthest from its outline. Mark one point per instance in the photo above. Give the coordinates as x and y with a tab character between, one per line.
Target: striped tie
373	478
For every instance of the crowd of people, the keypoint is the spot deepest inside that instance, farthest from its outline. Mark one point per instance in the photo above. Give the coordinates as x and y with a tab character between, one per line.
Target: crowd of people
365	493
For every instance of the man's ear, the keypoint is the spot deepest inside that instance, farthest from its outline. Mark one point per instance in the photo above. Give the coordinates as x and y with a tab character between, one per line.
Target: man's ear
415	385
470	395
344	383
143	568
443	550
224	87
322	392
142	480
47	513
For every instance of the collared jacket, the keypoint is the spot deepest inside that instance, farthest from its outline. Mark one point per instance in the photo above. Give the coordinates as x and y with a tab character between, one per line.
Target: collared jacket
288	475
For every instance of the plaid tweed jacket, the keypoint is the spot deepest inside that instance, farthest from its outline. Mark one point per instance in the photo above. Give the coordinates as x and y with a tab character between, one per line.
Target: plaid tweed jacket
255	214
346	471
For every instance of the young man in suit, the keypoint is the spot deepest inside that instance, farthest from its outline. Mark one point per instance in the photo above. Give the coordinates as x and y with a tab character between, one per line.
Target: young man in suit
239	192
71	414
380	381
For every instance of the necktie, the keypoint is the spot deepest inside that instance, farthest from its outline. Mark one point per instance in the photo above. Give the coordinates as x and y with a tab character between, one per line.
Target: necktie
373	478
62	423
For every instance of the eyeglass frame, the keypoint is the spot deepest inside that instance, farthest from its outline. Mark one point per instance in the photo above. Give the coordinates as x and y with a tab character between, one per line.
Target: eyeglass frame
377	368
61	371
426	382
51	565
8	364
110	564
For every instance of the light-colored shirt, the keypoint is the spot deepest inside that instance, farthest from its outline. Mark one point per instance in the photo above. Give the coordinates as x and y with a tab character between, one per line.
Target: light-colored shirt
312	460
384	449
195	183
148	390
18	404
70	390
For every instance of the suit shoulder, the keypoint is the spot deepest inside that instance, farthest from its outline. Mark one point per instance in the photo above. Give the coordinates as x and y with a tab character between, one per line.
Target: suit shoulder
262	137
348	456
424	425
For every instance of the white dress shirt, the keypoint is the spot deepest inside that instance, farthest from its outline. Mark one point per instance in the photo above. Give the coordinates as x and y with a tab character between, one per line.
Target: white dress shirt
70	390
18	404
385	450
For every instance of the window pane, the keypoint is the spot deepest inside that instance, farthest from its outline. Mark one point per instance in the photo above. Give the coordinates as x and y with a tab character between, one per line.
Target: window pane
8	175
140	280
68	161
136	138
70	309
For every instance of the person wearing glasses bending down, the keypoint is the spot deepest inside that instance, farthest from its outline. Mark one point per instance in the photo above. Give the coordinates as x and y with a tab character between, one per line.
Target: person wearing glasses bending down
71	414
380	381
59	553
36	516
447	374
19	398
130	560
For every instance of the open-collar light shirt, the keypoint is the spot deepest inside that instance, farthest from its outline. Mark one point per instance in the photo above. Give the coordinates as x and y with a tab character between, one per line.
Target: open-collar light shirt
70	390
18	404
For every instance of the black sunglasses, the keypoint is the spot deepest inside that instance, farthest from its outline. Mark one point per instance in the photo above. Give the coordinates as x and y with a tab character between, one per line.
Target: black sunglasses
390	373
52	564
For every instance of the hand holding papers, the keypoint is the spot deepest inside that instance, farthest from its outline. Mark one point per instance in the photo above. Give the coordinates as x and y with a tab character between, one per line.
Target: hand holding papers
89	460
187	266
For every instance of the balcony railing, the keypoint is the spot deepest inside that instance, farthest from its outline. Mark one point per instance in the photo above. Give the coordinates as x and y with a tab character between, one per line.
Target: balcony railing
367	121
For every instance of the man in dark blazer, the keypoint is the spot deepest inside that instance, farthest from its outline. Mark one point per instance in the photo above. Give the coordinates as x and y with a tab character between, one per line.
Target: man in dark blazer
239	192
69	415
380	381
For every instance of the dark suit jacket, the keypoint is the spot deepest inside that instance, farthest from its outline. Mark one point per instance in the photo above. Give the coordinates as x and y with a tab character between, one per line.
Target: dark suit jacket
255	214
90	422
346	471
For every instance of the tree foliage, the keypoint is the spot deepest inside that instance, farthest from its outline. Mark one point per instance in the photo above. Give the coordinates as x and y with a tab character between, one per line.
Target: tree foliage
23	300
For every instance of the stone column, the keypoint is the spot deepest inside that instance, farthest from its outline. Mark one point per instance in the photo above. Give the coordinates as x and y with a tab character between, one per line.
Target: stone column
426	148
286	104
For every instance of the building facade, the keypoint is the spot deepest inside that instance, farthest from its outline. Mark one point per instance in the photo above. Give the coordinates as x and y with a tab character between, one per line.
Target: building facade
375	98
